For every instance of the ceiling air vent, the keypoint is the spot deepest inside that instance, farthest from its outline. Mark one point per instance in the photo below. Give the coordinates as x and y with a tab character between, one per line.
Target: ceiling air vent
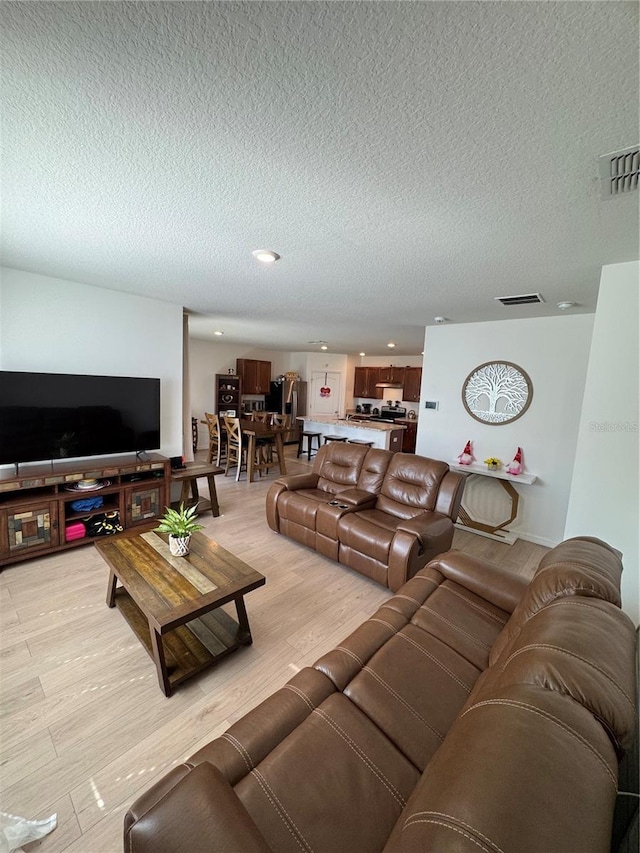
619	172
525	299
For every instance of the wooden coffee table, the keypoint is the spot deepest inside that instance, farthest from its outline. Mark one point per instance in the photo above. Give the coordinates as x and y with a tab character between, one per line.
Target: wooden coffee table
173	603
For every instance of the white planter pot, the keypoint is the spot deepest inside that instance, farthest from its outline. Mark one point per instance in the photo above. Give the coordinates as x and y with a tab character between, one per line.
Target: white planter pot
179	545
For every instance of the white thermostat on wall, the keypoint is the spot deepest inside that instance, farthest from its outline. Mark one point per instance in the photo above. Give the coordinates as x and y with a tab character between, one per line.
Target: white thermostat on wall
431	404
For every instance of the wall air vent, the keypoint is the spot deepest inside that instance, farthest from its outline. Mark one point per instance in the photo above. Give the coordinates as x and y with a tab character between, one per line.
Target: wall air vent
525	299
619	172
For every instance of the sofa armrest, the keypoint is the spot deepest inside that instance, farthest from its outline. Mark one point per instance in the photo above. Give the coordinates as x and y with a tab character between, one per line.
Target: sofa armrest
493	583
298	481
423	526
286	484
193	811
357	498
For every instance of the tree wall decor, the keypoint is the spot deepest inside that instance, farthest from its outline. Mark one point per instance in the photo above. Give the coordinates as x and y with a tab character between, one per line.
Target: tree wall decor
497	392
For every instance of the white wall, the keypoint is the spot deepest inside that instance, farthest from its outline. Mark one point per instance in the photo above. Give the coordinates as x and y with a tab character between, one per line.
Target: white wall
53	326
604	491
554	352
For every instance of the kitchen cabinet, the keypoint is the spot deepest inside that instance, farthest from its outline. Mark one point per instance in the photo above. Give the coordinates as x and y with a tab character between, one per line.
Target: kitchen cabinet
255	375
409	437
391	374
412	382
364	383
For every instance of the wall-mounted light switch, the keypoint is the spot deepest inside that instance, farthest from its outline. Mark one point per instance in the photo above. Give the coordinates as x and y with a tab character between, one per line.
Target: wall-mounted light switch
431	404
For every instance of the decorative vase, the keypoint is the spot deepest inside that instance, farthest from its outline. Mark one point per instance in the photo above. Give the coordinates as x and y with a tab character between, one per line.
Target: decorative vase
179	545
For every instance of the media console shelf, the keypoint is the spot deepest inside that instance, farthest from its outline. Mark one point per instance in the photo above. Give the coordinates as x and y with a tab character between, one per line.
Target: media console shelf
35	504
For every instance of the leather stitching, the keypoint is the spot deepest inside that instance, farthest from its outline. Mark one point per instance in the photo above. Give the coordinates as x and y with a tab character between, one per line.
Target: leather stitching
547	716
402	701
461	823
457	829
408	598
475	606
243	752
435	660
382	622
281	811
397	796
350	653
572	655
302	695
456	627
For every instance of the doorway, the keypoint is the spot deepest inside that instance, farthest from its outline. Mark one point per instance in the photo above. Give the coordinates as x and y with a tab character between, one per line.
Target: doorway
326	392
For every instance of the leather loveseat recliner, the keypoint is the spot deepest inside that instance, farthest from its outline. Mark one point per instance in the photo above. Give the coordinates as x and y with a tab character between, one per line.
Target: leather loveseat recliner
383	514
473	712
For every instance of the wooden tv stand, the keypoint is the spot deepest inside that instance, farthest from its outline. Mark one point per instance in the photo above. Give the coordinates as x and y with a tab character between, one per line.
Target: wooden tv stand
35	504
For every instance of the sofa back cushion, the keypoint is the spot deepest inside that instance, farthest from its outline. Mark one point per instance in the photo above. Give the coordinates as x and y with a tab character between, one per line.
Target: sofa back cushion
577	567
339	466
410	485
373	470
581	647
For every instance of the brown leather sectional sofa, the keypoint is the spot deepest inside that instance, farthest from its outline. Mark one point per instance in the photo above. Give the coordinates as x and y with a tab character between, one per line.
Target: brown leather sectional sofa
472	712
383	514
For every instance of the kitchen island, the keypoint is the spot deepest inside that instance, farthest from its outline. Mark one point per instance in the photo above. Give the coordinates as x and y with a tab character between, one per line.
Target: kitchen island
386	436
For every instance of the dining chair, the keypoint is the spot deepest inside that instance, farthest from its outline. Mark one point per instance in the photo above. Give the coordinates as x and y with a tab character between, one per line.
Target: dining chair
216	438
236	448
277	420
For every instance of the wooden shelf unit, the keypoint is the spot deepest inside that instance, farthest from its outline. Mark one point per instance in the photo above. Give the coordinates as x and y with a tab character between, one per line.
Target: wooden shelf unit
35	504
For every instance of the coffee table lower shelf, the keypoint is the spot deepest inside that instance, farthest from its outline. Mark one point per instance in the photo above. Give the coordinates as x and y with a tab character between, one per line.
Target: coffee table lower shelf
189	648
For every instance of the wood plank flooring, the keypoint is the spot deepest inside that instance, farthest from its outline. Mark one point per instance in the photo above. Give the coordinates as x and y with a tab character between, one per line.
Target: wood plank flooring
84	727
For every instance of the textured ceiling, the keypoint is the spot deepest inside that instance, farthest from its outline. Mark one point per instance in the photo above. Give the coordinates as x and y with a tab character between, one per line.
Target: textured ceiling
407	160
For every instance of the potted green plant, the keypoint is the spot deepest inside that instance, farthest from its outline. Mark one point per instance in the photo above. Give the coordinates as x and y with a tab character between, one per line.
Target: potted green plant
179	524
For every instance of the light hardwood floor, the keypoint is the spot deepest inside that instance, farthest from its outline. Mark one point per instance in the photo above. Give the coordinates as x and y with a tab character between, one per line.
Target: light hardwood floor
84	726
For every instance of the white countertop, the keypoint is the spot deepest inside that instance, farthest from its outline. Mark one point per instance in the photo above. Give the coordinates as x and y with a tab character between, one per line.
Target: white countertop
330	420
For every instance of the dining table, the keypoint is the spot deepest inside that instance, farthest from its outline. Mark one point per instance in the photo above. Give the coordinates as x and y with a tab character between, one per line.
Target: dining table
255	430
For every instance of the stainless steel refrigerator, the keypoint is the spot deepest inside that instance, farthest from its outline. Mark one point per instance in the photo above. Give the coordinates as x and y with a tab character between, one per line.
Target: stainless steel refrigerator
289	397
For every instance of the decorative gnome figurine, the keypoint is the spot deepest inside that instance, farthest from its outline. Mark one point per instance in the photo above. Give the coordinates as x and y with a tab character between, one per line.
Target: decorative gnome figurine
516	466
466	457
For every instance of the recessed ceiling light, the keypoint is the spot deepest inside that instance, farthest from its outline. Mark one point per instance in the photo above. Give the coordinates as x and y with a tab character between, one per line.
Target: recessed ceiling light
363	353
324	346
563	306
391	344
265	256
218	333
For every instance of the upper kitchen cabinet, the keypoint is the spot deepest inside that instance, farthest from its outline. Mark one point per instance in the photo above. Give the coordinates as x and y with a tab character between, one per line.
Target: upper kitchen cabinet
364	383
412	382
391	374
255	375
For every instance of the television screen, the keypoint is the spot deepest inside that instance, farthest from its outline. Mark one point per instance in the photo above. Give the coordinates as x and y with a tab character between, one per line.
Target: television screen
57	415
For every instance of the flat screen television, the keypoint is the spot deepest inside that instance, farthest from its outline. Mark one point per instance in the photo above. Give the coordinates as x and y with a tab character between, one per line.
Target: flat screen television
49	416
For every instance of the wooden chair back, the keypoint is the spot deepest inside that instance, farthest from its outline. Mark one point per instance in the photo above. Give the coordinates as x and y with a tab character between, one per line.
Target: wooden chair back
279	420
216	440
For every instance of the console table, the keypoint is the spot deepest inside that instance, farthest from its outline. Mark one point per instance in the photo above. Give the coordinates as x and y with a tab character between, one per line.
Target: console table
36	504
493	531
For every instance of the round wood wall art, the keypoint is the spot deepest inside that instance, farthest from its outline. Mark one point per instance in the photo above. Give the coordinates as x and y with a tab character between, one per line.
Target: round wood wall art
497	392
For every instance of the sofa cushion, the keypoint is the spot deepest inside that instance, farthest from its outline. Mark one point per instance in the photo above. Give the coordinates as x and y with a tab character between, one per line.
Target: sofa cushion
578	567
458	617
340	467
352	803
410	485
373	469
526	771
581	647
368	531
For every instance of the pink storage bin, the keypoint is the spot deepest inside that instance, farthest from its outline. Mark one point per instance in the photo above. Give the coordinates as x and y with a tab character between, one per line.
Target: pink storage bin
75	530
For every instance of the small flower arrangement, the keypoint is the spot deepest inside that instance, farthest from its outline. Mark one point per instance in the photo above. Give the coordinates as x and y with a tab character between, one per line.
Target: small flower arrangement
179	524
492	463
